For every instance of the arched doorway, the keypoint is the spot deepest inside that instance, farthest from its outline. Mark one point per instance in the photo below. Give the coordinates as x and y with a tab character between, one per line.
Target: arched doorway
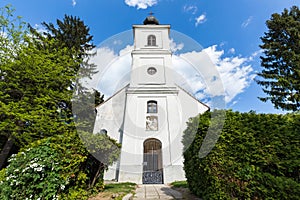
153	167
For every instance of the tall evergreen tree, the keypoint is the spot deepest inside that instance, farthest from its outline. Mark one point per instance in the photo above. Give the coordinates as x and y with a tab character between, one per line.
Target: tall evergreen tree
74	34
280	77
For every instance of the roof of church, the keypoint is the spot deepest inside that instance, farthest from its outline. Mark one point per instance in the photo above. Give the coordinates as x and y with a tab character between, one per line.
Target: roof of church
151	20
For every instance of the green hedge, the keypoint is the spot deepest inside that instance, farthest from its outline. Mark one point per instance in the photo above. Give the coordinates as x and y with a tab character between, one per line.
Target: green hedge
257	156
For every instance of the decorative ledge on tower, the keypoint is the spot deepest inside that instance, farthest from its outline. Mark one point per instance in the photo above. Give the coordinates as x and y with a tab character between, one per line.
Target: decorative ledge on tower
151	20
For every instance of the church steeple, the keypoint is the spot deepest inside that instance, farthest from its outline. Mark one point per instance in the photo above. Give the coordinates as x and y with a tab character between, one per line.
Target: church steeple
151	56
151	20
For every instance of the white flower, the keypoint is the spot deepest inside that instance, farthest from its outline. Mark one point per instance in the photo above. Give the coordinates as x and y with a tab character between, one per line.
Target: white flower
55	197
34	165
13	155
39	169
25	169
62	187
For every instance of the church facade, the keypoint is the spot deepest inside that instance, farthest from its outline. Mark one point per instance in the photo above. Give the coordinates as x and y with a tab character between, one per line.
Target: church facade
149	115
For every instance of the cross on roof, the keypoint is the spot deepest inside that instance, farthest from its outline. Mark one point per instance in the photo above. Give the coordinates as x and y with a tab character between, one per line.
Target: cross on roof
151	13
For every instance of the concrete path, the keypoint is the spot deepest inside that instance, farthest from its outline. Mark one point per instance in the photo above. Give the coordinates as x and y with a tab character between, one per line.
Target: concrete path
156	191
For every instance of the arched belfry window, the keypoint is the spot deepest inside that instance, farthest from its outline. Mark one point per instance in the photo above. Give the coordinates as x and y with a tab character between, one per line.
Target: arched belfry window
151	40
151	107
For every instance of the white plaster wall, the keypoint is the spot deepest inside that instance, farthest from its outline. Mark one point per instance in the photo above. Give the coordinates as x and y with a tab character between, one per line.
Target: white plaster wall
135	134
160	31
173	113
110	115
174	110
140	64
187	107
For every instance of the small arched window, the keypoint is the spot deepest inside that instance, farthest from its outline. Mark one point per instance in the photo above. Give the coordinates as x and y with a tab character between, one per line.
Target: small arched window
151	107
151	40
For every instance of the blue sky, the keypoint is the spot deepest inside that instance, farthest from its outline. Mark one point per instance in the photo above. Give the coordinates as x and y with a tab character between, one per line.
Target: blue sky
228	30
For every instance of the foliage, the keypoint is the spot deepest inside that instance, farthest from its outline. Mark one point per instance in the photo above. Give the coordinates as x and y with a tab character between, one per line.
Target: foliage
37	81
12	30
256	157
281	60
56	167
73	34
182	184
32	93
38	167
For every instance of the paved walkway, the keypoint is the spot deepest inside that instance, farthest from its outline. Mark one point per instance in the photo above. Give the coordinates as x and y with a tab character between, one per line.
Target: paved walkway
156	191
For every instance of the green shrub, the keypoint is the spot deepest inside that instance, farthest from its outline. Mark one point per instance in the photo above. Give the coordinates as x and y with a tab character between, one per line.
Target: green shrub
178	184
57	167
257	156
33	174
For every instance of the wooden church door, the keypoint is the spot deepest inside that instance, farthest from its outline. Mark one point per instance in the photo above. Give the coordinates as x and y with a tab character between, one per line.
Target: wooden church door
152	169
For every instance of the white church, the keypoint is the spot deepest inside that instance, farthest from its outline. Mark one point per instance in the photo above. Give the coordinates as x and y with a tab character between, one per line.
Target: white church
149	115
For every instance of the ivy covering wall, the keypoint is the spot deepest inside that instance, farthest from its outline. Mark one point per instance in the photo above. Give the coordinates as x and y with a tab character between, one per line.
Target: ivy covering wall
257	156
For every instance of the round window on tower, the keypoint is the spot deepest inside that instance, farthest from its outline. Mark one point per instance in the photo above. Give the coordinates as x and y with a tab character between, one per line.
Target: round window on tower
151	70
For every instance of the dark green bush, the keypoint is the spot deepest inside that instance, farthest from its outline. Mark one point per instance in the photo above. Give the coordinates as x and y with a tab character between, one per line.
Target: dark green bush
257	156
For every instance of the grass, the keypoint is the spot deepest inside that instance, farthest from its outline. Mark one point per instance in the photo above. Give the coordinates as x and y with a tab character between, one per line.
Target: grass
119	187
116	190
182	184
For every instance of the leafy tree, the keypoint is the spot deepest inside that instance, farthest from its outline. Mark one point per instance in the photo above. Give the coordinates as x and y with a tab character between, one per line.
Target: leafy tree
35	84
12	30
36	93
281	60
35	111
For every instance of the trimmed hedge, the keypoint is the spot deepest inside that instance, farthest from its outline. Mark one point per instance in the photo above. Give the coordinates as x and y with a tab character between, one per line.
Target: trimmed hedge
257	156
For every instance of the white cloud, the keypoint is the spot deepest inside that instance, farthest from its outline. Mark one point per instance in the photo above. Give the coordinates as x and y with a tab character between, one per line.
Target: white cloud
74	2
190	9
232	51
206	74
256	54
209	74
247	22
200	20
175	47
112	68
39	28
141	4
235	72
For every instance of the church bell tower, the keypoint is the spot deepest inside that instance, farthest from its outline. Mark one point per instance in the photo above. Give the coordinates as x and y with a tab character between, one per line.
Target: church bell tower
151	57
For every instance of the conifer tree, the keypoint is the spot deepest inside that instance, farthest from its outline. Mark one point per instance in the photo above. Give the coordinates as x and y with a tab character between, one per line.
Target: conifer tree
280	77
